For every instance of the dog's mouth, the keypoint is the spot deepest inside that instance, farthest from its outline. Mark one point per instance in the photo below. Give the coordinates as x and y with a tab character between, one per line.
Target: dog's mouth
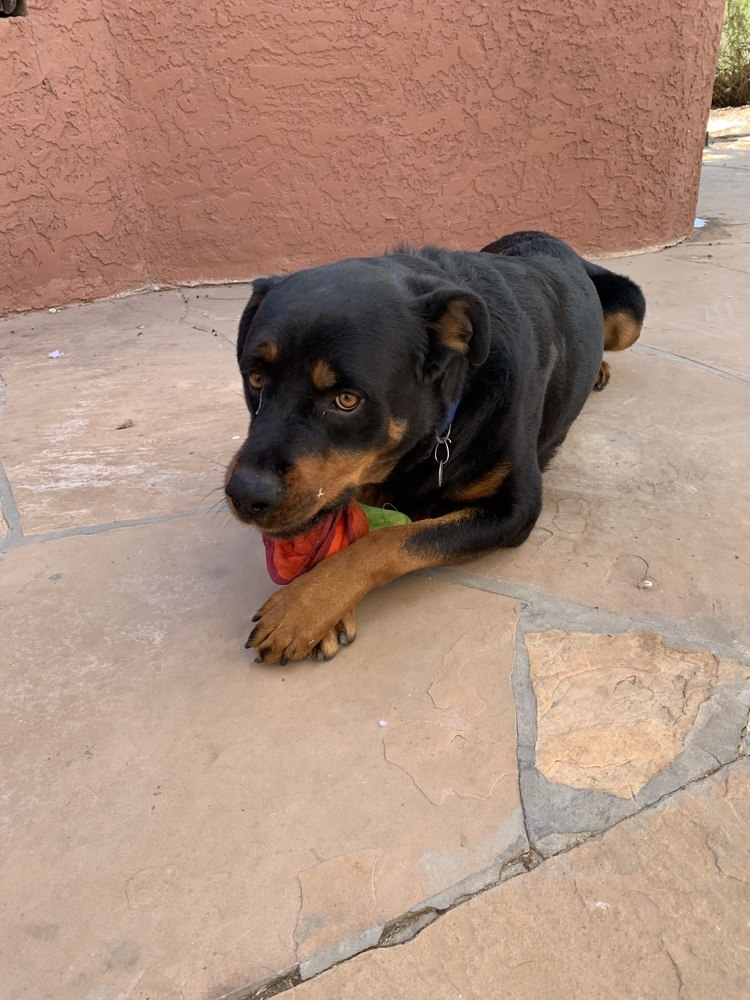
312	489
275	525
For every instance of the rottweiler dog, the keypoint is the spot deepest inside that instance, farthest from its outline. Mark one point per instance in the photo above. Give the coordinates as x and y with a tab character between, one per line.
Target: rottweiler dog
437	381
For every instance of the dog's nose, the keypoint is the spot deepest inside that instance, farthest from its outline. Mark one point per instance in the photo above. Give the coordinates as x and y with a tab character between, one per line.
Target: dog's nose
254	492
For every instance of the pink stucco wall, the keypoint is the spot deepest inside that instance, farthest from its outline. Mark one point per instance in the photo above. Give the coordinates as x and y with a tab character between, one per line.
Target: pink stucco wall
169	142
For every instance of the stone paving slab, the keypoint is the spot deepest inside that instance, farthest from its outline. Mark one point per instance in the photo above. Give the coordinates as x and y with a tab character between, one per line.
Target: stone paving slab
656	907
135	420
173	811
732	257
217	308
698	304
647	505
723	191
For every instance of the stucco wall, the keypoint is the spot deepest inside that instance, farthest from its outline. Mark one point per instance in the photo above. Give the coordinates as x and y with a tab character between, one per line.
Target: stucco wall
171	142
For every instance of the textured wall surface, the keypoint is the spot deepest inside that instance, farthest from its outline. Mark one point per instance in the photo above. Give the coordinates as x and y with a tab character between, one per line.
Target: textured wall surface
170	143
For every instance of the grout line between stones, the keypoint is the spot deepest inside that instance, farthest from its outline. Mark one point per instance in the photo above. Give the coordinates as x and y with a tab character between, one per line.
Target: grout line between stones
21	541
400	930
10	512
544	611
539	611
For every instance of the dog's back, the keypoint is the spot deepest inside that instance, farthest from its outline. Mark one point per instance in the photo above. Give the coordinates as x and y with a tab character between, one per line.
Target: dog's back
623	304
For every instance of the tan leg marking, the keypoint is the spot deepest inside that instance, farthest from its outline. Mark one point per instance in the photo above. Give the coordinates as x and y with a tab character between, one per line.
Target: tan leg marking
620	331
486	486
297	618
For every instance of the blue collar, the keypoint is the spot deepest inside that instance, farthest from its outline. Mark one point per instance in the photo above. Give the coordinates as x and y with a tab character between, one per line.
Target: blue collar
450	417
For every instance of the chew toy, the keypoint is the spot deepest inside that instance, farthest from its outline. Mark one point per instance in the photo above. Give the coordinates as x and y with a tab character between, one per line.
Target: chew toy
287	560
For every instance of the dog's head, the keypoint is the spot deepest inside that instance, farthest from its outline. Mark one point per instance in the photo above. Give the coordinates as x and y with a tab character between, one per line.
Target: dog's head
345	368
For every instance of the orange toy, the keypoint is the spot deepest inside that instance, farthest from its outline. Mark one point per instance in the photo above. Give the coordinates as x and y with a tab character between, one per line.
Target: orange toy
287	560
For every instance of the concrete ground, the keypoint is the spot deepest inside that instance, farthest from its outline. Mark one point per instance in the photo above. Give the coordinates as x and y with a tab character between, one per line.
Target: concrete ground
548	743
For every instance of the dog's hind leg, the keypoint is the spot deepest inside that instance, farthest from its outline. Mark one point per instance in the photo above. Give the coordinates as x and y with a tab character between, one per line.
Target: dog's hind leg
605	370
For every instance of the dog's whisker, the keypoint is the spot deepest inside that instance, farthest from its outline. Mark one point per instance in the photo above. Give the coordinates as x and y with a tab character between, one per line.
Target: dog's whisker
210	493
218	508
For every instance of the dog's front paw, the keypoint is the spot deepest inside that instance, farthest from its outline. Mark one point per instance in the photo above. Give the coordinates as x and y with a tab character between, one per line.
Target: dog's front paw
298	623
342	634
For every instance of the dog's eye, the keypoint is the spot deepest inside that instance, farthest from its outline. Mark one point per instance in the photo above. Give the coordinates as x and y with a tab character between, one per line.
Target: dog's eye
347	401
255	381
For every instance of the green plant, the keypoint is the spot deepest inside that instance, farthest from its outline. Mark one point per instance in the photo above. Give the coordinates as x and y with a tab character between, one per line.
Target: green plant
732	82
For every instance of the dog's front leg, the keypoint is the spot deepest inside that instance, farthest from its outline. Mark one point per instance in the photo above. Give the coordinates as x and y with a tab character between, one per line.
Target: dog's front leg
304	619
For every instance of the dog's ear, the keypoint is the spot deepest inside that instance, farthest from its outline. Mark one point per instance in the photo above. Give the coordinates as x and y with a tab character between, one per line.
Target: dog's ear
261	288
457	323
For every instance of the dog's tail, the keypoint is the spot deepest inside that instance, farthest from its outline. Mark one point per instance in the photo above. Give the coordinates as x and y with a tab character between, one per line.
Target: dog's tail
623	304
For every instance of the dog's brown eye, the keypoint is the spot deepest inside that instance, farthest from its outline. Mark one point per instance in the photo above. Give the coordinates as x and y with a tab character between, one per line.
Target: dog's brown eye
255	380
347	401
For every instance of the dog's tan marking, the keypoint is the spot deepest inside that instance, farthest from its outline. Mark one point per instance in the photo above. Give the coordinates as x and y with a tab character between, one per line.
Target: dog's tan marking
268	352
227	476
323	376
605	370
298	617
331	643
396	431
334	474
230	468
314	482
620	331
486	486
454	326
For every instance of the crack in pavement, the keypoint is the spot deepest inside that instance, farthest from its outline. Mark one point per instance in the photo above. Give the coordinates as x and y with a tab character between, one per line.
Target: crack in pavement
399	930
657	352
406	927
538	610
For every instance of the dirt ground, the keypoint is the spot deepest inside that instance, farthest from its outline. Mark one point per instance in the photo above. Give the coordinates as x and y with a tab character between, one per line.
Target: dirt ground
729	128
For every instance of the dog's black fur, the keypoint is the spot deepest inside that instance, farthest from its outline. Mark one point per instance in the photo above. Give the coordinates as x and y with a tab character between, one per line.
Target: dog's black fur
510	338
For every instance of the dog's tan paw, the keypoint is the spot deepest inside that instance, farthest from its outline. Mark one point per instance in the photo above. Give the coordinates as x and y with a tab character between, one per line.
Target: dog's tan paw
343	634
299	623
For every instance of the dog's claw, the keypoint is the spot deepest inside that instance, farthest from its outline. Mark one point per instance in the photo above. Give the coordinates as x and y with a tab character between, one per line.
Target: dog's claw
276	642
255	618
